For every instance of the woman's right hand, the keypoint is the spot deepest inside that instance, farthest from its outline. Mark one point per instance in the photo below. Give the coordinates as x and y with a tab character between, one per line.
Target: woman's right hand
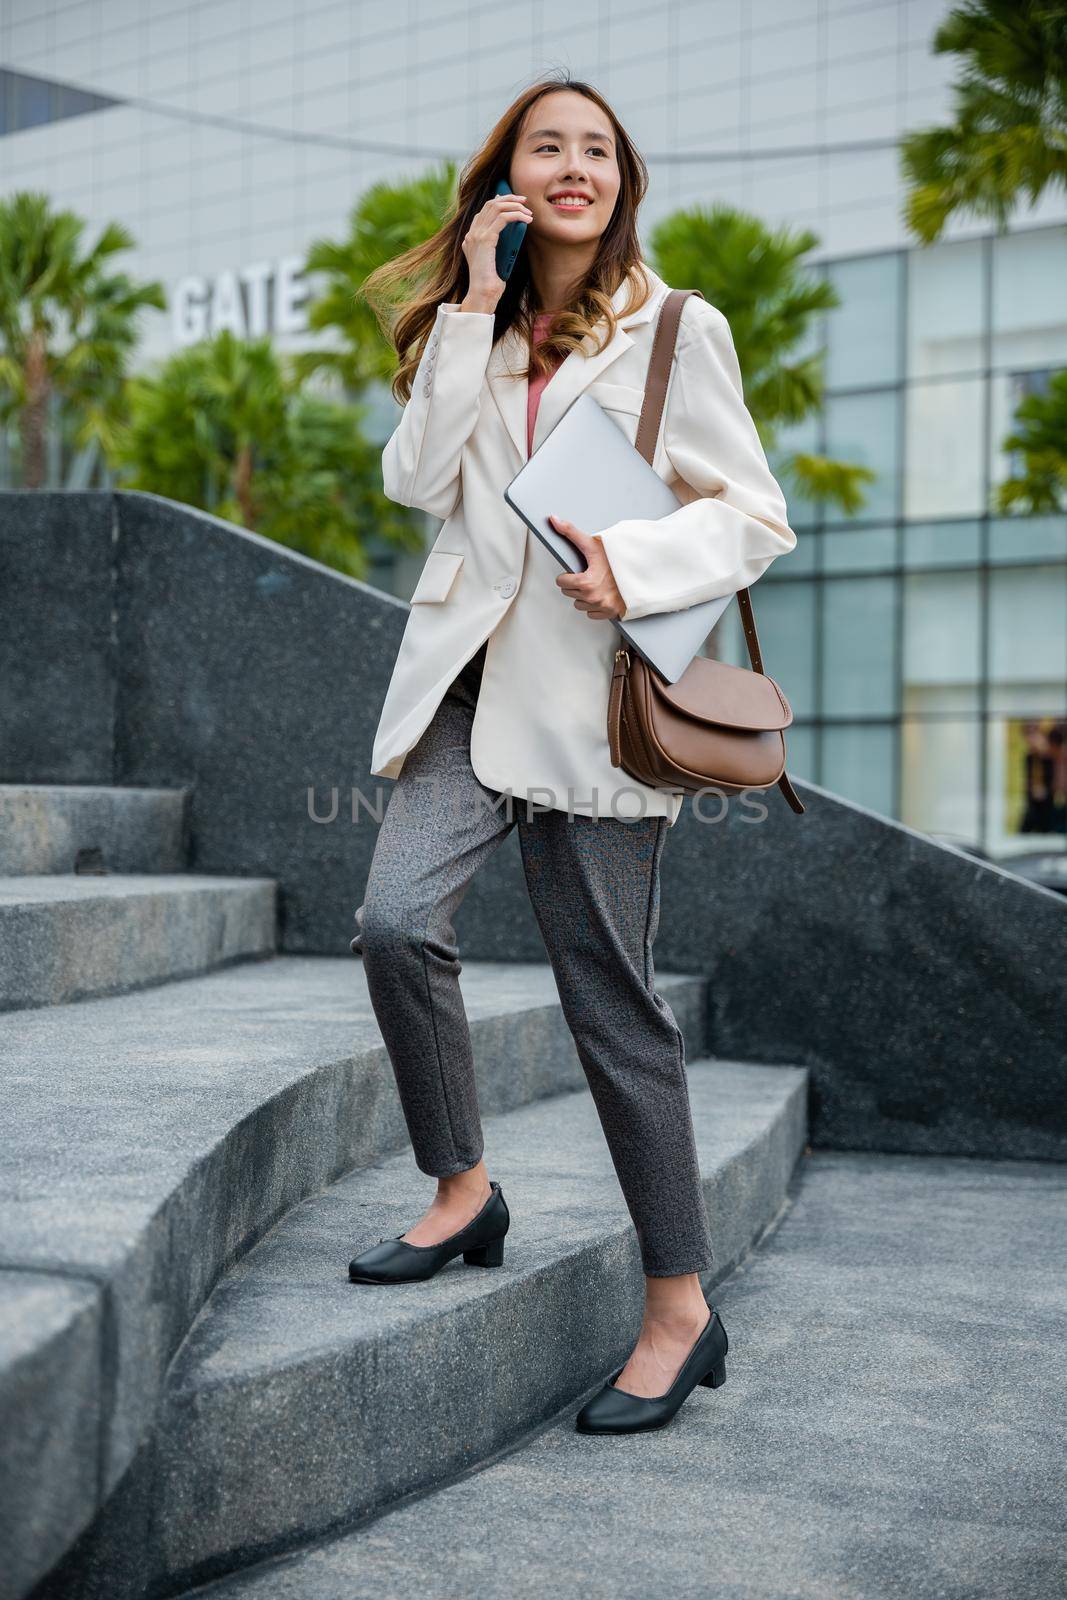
479	247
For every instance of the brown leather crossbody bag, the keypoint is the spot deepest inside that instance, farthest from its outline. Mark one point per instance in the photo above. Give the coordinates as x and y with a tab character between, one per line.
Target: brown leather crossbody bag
718	727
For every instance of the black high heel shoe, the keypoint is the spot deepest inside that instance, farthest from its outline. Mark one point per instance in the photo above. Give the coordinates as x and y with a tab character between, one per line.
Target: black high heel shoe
396	1261
614	1411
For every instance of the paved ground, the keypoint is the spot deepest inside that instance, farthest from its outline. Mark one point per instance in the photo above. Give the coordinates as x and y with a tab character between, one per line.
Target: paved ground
892	1424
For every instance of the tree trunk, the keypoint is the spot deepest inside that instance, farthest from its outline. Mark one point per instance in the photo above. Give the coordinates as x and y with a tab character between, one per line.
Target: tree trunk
34	417
242	486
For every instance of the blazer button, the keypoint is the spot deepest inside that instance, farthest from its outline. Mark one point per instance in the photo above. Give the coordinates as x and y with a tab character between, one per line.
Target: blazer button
506	587
426	391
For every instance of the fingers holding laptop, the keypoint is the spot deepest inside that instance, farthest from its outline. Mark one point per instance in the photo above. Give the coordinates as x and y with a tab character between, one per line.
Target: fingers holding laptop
593	591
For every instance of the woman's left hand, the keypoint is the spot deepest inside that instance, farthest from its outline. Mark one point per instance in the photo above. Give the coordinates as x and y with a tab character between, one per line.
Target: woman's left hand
593	591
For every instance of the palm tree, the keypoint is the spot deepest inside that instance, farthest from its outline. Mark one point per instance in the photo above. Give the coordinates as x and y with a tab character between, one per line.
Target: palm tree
67	324
1008	134
387	220
1008	138
1041	439
754	275
226	426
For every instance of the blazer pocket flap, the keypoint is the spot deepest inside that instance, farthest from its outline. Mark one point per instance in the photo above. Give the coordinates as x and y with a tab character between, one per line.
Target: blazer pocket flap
437	576
618	397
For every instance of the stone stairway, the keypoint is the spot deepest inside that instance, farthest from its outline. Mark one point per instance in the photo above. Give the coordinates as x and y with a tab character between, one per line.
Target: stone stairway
94	899
301	1401
189	1378
891	1425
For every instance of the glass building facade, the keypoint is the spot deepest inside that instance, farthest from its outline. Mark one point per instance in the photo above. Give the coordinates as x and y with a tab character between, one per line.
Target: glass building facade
923	642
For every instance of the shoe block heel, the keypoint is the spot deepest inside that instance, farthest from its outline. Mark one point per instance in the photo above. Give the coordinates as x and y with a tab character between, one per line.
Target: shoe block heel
486	1255
716	1377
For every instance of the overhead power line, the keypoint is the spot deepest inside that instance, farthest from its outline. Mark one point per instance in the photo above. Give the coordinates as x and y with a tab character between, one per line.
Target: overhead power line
340	141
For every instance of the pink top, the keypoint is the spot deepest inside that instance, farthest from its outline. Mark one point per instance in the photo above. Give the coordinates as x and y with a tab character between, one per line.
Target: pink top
536	385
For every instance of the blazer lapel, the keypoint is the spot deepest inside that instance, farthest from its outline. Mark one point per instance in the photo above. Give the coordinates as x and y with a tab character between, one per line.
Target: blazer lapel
574	373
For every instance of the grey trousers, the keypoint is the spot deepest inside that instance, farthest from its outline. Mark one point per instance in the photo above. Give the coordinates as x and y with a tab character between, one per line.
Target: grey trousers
594	888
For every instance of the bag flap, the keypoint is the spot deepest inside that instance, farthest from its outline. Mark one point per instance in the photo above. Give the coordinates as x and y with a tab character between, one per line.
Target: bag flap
727	696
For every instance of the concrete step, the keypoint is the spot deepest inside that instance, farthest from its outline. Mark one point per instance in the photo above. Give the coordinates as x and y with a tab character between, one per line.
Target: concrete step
150	1139
88	827
71	937
892	1424
300	1400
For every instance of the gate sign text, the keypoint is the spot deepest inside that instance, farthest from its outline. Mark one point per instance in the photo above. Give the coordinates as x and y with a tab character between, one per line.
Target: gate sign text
267	297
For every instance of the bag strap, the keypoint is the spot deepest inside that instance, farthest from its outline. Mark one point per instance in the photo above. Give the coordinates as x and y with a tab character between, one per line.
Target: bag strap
659	371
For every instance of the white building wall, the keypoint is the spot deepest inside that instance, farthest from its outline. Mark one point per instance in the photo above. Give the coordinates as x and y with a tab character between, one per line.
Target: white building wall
396	84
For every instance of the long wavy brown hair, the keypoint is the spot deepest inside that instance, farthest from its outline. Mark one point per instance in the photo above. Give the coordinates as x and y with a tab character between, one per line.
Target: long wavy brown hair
438	267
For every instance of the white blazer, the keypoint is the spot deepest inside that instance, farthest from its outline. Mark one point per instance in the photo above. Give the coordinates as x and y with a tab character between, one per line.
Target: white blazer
540	729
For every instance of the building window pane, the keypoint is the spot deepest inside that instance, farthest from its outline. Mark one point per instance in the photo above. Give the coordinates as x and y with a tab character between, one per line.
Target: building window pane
864	331
857	762
942	544
946	309
1029	299
1028	539
859	549
785	621
939	777
1006	391
862	429
1026	764
1028	640
944	476
800	756
859	655
942	665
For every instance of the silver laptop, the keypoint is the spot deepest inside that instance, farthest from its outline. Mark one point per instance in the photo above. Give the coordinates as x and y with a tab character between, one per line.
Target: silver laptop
588	471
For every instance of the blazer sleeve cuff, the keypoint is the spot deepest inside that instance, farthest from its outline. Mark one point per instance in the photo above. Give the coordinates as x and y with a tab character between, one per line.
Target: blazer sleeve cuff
733	520
699	552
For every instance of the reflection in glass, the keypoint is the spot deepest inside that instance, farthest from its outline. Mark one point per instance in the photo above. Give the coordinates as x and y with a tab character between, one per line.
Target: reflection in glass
1025	538
1006	391
1026	777
942	650
864	331
859	549
939	777
946	309
863	430
785	622
857	762
859	653
944	452
1029	299
950	543
1028	638
800	756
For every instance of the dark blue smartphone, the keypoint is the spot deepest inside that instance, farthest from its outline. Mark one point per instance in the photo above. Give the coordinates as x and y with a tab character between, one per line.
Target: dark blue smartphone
510	241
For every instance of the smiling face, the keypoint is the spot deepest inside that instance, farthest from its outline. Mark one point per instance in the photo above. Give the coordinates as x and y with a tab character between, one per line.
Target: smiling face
566	149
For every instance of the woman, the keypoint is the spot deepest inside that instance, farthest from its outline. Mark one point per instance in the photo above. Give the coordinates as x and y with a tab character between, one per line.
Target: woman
500	689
